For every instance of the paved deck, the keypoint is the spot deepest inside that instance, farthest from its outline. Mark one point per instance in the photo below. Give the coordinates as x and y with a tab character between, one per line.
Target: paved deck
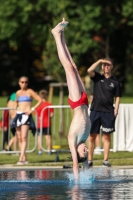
29	167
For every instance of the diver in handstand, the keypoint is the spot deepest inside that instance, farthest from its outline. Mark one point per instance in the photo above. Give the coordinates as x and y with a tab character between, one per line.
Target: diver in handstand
80	125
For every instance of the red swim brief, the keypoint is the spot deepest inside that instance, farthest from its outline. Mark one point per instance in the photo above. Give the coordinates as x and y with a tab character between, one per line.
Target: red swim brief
81	101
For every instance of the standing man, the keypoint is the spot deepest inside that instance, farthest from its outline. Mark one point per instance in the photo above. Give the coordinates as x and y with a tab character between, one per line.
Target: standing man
103	113
45	121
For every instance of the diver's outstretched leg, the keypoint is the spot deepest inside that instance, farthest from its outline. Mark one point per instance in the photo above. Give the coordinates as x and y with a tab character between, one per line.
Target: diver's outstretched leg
60	27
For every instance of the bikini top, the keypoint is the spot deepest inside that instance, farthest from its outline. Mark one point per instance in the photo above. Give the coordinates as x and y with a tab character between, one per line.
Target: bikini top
25	98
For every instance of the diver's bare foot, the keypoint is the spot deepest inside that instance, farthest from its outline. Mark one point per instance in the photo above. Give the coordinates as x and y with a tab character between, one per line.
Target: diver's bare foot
64	23
60	27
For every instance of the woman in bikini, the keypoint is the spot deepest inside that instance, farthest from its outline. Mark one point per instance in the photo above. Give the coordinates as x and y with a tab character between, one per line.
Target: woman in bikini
80	125
23	120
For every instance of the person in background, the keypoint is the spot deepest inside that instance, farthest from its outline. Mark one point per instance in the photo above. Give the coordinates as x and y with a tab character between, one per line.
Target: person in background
11	115
80	126
23	120
5	128
106	88
44	120
97	141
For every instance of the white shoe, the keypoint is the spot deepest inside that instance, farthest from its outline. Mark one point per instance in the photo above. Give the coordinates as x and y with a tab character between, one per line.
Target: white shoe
39	152
15	154
97	152
20	163
26	162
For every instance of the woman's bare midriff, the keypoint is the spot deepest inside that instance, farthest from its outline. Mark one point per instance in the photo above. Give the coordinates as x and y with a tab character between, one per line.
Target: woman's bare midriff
24	106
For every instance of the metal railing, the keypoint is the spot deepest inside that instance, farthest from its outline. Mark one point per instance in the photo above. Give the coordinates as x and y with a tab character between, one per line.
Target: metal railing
30	148
60	127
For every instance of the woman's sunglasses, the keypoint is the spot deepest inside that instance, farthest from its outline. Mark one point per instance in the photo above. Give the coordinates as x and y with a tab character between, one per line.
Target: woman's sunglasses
24	82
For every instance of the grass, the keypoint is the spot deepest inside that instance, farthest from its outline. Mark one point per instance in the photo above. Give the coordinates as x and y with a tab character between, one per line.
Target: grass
126	100
115	158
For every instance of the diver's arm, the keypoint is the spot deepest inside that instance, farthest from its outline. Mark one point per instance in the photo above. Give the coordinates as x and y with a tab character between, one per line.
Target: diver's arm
74	158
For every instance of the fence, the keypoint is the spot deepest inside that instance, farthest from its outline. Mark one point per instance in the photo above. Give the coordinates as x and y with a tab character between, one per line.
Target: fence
60	127
30	146
122	137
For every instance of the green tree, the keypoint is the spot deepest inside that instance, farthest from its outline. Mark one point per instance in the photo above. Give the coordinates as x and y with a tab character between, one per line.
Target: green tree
97	29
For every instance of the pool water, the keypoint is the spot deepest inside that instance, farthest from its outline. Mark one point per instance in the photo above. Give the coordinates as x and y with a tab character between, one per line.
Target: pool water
97	184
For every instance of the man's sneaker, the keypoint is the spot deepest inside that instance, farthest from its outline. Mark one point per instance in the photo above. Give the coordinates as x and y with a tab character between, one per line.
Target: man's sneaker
39	152
97	151
90	163
106	164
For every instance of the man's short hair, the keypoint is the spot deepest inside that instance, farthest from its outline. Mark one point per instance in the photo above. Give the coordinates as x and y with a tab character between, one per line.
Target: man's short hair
108	59
81	159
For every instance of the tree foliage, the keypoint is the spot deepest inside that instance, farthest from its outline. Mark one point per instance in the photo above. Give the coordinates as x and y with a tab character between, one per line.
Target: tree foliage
97	29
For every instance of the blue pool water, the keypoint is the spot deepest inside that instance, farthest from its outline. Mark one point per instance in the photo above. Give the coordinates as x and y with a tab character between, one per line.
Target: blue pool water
97	184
